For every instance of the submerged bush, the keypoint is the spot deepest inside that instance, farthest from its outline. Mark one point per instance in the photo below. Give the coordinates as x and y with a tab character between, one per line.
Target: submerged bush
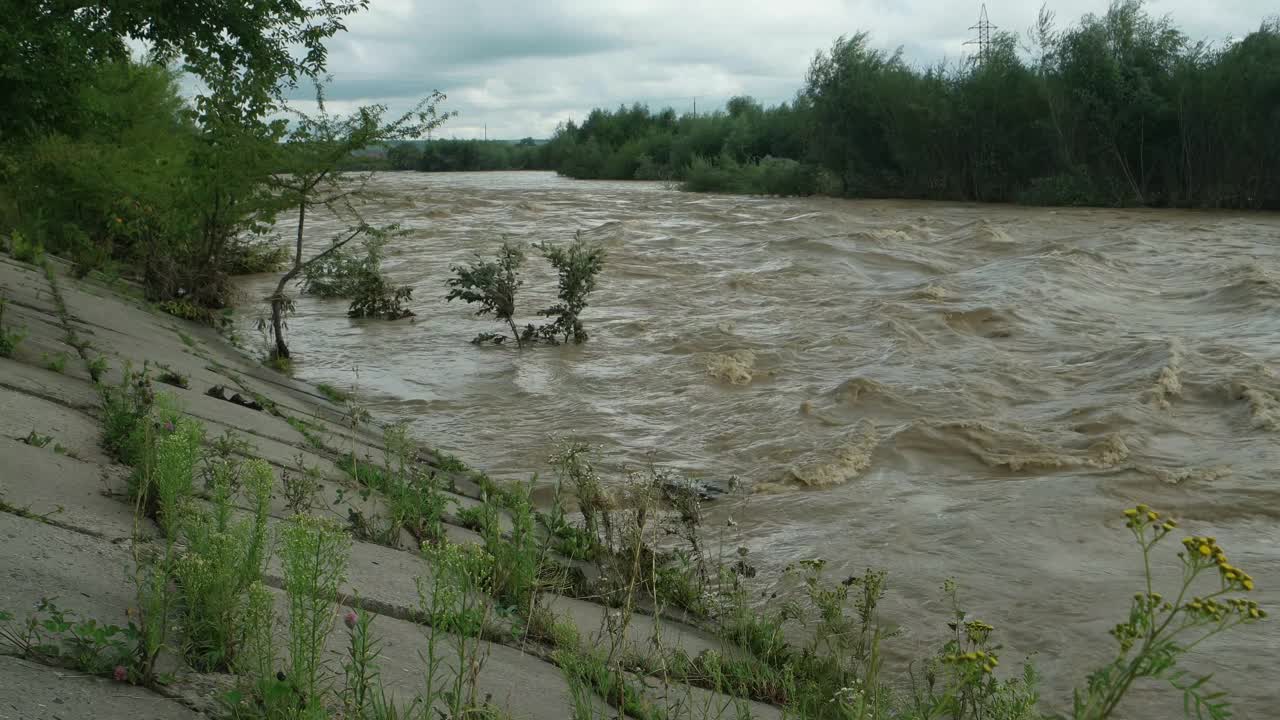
492	284
344	274
577	267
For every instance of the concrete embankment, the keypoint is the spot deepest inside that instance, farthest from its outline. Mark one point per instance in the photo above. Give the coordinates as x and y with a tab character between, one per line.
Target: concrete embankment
68	524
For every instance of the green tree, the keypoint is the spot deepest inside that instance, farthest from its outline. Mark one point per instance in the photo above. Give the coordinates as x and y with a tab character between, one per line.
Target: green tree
316	146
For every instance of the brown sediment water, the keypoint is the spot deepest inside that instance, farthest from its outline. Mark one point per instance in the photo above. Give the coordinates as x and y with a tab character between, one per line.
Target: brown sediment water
942	390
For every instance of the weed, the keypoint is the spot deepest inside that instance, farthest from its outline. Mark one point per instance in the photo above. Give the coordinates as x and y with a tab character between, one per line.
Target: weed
1159	631
222	560
333	393
279	363
155	602
35	439
305	429
126	409
455	603
169	376
301	486
56	363
362	694
315	561
188	310
9	339
54	635
186	339
164	482
98	368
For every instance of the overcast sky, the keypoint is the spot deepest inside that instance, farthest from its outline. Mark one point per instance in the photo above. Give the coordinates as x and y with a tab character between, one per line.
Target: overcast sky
522	66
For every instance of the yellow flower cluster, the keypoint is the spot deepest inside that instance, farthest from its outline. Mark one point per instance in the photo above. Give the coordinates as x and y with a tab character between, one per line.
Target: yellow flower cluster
1207	548
977	631
1152	602
974	658
1216	610
1142	516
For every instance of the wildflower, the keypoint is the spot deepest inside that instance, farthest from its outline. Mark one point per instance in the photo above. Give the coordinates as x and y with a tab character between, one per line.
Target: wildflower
1247	583
121	674
349	619
1152	515
1205	550
1130	513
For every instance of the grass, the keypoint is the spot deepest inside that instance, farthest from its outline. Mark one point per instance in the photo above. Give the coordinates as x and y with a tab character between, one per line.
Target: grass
414	494
337	396
279	363
308	432
98	368
169	376
56	363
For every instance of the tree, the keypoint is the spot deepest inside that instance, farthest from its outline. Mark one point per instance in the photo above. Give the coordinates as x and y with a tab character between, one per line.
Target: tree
314	151
249	51
493	284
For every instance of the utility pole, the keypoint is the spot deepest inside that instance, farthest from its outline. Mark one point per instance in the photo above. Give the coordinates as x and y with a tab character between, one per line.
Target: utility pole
983	41
486	132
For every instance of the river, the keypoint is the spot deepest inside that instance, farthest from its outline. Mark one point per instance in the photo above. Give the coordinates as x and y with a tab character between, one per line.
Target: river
942	390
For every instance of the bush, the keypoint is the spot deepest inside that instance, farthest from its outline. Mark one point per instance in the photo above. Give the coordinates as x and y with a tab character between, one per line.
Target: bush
343	274
493	284
26	249
577	267
1064	189
770	176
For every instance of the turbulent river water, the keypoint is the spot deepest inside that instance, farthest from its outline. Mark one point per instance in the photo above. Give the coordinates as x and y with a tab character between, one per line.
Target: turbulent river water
941	390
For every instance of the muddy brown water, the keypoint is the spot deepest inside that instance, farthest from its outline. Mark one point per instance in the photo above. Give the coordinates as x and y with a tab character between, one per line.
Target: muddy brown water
941	390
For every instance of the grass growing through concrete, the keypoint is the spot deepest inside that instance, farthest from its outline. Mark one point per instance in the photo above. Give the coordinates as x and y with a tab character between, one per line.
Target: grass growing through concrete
56	362
337	396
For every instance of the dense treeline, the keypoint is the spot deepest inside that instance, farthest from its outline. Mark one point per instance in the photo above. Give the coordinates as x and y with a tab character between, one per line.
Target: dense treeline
467	155
1120	109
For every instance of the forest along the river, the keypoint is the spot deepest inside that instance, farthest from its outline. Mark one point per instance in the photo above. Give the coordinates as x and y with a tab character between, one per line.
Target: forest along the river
936	389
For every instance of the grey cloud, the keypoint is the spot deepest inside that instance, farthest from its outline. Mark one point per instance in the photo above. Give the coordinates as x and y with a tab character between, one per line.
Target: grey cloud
522	67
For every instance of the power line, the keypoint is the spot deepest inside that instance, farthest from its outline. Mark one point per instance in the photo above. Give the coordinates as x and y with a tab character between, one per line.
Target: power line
983	41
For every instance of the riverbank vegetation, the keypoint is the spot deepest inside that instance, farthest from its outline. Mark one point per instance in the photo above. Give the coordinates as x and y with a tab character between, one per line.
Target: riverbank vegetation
103	160
1119	109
